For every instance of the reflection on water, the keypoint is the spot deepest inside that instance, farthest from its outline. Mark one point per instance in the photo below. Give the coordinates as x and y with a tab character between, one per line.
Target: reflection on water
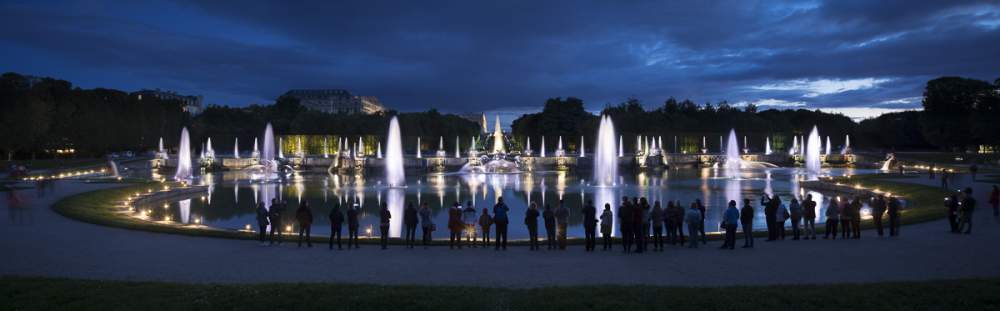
220	207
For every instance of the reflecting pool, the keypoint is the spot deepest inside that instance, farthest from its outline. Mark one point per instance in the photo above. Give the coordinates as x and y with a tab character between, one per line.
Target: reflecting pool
228	202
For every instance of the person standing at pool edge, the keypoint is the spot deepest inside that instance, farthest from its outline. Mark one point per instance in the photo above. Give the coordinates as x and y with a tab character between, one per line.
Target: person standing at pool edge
261	222
274	215
625	224
336	222
410	222
485	222
746	220
427	225
469	220
549	218
731	217
809	217
531	221
501	220
562	223
305	217
352	226
657	219
590	226
606	225
384	218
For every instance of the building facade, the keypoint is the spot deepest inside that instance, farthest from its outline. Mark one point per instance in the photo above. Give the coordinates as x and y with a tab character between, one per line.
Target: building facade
189	103
336	101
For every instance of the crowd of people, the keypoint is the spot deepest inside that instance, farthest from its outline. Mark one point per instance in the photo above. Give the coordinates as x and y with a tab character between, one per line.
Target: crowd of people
640	223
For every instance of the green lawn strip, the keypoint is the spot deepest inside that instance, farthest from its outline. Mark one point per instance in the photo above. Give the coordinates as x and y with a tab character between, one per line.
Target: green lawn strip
924	203
53	164
21	293
99	207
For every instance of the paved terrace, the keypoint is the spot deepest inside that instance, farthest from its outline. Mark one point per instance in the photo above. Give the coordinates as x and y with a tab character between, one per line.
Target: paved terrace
39	242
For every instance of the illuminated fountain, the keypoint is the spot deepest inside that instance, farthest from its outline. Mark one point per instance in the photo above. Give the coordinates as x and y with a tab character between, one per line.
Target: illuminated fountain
394	174
812	153
605	159
827	151
184	157
236	148
847	145
767	145
733	160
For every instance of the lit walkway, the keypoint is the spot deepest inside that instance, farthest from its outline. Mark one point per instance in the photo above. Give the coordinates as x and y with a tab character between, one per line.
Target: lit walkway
38	242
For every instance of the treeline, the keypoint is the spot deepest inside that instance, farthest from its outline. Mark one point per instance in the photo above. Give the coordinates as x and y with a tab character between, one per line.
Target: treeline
224	124
688	122
42	115
959	114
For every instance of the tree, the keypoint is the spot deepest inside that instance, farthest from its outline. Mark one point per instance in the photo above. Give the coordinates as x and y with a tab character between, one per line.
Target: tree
949	105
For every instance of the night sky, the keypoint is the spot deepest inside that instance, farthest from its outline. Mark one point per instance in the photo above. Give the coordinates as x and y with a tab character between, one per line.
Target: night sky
857	57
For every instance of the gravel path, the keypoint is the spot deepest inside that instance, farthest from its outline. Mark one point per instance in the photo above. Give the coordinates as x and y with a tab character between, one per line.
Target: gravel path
39	242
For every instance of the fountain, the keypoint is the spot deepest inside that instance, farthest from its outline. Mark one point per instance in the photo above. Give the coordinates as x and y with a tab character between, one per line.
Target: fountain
256	151
361	148
326	150
890	160
498	138
542	153
281	146
441	153
605	161
827	152
394	174
847	145
767	145
236	148
210	151
527	148
418	148
733	160
812	152
161	153
458	153
559	148
114	168
379	150
583	152
795	145
184	157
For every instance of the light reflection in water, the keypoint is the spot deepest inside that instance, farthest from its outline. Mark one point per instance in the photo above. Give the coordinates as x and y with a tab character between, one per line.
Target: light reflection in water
518	190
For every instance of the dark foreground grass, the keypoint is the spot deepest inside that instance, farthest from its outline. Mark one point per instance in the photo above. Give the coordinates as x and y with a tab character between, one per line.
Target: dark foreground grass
18	293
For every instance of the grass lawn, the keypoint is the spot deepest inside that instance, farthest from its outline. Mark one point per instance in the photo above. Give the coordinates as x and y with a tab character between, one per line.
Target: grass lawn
924	202
64	294
48	164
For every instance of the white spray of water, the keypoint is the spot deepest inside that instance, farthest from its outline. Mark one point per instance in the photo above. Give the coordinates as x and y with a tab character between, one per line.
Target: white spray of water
394	174
184	157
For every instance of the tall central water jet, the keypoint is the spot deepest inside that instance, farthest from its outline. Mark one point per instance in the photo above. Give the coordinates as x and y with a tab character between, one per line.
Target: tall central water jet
267	155
812	153
184	157
733	160
605	158
394	175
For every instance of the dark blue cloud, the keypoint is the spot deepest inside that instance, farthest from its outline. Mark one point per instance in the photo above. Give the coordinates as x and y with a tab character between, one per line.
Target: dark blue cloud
468	56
